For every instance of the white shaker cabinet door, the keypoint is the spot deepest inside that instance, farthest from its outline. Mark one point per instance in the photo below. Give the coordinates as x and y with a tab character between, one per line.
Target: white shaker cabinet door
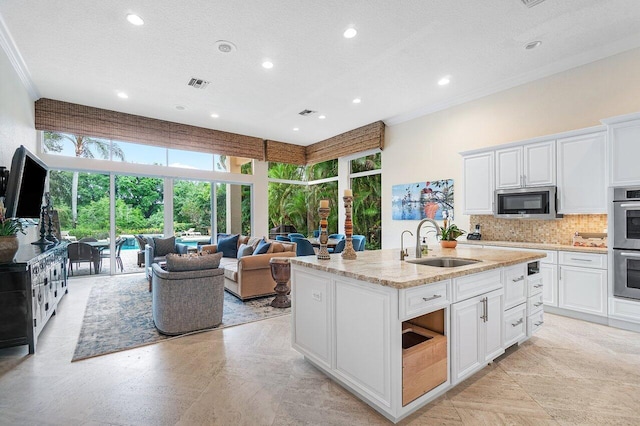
624	151
549	274
509	168
478	183
582	186
467	355
540	164
583	289
493	344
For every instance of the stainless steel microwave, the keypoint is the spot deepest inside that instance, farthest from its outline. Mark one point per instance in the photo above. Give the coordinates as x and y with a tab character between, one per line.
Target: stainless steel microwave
526	203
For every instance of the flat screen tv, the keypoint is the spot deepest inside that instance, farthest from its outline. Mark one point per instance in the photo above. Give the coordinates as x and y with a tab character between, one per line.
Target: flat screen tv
25	186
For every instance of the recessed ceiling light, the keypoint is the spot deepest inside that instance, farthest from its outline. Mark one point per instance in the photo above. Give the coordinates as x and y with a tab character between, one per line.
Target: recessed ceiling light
214	115
135	19
350	33
532	45
357	100
225	46
267	65
180	108
444	81
295	129
322	117
122	95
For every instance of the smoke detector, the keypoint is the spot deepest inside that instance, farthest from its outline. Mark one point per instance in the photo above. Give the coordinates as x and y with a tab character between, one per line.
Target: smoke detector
531	3
198	83
225	46
306	112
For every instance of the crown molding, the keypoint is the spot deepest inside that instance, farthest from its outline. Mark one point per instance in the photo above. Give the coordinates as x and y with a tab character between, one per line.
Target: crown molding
575	61
20	67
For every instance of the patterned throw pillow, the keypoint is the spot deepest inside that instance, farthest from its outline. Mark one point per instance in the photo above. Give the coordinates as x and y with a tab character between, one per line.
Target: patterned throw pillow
229	246
192	262
262	247
244	250
164	246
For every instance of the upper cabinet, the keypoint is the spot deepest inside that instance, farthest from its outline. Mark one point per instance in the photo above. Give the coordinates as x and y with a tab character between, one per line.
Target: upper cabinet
528	165
582	172
478	183
624	149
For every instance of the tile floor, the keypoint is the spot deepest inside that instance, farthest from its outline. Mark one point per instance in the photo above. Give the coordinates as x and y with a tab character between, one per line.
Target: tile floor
571	372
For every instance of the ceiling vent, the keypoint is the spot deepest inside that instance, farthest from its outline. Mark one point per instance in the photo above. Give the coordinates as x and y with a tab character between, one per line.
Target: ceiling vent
306	112
198	83
531	3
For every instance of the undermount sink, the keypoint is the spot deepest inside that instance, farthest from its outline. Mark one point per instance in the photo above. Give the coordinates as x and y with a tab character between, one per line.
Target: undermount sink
443	262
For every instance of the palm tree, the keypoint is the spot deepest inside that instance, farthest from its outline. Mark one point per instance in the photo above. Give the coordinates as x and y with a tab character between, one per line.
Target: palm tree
83	147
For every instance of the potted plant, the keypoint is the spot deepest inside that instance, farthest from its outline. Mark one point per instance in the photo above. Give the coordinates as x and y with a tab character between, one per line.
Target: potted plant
9	228
449	235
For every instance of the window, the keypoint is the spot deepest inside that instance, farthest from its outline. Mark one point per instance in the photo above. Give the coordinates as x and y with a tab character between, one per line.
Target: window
190	159
366	184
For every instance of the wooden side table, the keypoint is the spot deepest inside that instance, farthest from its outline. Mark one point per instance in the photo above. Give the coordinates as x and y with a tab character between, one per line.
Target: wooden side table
281	272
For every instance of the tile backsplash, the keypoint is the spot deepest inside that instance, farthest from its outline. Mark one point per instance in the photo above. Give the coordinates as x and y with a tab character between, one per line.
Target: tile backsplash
554	231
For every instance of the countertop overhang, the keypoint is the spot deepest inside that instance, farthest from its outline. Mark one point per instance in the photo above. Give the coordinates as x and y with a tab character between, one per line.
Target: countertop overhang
384	267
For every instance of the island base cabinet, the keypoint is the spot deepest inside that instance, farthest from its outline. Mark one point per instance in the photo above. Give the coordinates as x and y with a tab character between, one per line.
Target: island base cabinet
476	333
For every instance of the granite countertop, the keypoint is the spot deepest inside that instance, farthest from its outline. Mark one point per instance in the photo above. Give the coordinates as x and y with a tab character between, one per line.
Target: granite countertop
535	246
384	267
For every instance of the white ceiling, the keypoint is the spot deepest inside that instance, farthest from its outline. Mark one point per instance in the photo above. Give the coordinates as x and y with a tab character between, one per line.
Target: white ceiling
85	52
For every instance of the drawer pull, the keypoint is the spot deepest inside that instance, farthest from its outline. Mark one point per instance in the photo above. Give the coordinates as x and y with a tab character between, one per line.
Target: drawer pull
517	323
538	323
520	278
435	296
537	285
581	260
537	304
624	253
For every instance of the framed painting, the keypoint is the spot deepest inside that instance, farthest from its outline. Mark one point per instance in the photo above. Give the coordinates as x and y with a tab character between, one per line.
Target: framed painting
421	200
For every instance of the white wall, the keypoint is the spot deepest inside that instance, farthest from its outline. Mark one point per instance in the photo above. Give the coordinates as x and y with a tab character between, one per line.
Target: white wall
17	123
426	148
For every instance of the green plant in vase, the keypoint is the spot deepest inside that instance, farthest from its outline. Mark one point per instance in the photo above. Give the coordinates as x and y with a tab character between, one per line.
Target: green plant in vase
9	228
449	234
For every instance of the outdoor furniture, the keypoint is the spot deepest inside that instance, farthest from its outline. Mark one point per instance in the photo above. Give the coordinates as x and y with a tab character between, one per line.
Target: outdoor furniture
337	236
79	252
185	301
359	242
142	242
303	247
339	247
87	240
316	233
331	242
282	238
295	234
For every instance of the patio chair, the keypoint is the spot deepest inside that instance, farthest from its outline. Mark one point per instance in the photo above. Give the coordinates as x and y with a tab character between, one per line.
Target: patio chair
88	240
316	233
359	242
303	247
296	235
283	238
337	236
339	247
142	242
79	252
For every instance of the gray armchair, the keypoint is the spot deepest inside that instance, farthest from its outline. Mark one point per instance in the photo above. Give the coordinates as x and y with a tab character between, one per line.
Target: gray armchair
187	301
151	256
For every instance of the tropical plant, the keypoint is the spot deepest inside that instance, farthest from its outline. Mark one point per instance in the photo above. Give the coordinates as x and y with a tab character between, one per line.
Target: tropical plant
8	226
451	232
84	147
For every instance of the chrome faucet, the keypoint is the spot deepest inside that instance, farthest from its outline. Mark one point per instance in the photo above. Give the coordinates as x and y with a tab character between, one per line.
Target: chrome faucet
403	251
438	232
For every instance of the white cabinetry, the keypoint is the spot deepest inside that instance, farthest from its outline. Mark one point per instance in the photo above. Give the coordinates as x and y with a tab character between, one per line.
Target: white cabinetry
582	174
624	150
515	286
582	282
528	165
476	333
478	183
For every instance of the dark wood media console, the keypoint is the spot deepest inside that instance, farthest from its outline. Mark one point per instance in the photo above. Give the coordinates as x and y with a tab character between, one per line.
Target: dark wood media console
30	290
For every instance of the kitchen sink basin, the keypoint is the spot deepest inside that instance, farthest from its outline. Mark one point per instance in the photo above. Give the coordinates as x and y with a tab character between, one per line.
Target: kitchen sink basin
443	262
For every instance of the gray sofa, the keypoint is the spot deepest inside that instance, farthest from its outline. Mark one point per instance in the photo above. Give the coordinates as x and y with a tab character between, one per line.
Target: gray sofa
187	300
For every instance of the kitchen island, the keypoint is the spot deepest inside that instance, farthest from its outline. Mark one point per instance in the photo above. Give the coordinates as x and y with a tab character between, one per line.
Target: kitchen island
399	334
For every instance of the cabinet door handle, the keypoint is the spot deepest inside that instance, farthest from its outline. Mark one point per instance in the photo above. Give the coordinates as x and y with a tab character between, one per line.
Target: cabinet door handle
538	323
626	205
486	309
435	296
537	304
581	260
520	278
517	323
538	285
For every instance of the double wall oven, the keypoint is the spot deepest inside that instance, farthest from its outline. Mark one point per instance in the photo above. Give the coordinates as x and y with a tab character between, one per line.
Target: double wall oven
626	242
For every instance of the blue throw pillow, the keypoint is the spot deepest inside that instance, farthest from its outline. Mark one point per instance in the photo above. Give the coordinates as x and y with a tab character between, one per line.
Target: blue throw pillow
229	246
262	247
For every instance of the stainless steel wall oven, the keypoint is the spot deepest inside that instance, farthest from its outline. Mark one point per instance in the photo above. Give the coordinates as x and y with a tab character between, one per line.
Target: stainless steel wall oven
626	242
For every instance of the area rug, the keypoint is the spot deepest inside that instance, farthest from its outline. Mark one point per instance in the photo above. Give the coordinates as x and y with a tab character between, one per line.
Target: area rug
118	316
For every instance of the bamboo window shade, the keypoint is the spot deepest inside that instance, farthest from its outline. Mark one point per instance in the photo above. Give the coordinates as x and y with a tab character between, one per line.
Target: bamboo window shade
57	116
